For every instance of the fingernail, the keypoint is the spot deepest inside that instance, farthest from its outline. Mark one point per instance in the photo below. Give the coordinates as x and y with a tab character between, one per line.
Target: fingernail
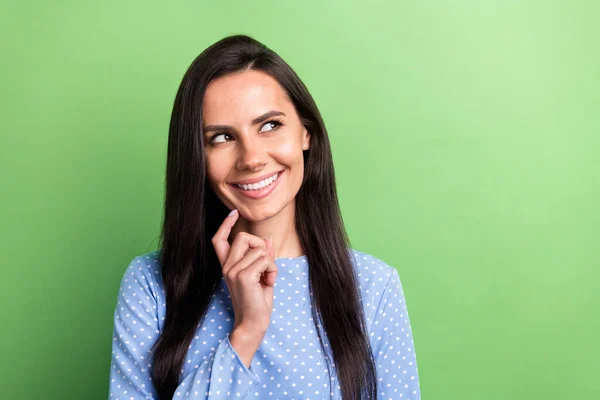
266	237
233	212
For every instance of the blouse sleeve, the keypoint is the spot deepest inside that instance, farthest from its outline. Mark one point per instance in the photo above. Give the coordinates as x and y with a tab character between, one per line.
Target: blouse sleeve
220	375
393	347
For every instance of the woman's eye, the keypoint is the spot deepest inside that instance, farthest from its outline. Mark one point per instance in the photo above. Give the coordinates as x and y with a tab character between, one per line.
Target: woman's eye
272	125
222	137
214	138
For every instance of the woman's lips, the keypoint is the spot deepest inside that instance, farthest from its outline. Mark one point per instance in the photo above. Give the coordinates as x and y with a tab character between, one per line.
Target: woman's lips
259	193
256	180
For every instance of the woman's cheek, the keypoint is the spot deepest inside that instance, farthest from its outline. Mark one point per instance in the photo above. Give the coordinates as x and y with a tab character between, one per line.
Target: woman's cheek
214	174
286	149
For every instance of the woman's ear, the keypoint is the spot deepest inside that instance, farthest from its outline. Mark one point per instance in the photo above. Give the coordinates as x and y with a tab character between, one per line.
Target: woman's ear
305	140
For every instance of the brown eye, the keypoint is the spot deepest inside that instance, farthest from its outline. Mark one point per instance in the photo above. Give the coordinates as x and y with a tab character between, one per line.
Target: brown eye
214	138
272	125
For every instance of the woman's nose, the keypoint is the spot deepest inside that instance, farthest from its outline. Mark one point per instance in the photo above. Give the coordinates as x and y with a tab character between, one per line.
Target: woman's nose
251	155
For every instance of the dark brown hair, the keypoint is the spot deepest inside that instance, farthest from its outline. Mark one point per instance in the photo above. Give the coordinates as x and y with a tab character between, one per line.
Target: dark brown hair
191	271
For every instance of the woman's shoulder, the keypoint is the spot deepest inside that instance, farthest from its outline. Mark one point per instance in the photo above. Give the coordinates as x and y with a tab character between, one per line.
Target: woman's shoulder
149	261
144	271
374	275
370	267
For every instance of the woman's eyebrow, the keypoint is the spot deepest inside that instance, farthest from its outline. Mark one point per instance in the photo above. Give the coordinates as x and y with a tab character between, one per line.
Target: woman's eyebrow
255	121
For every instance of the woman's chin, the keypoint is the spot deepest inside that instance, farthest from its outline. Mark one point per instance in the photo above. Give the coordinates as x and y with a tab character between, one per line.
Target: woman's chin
255	214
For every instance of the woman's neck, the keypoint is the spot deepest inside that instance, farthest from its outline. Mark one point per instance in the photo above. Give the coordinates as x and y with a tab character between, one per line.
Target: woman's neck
281	227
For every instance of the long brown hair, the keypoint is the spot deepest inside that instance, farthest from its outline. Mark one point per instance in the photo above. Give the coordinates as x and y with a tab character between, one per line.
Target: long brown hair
191	272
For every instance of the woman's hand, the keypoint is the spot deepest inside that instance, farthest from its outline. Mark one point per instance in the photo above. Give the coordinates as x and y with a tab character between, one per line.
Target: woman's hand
250	272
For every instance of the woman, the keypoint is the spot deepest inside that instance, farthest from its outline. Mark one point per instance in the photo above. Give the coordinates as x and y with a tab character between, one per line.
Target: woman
268	300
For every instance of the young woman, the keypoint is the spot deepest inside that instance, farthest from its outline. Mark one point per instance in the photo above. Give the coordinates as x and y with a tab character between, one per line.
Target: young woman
255	292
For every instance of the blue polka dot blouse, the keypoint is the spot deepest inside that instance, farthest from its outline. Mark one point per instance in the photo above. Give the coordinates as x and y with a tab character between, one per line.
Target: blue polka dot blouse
289	363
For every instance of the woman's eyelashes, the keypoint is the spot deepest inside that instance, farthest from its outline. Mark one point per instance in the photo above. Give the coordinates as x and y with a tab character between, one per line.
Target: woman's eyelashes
273	125
214	141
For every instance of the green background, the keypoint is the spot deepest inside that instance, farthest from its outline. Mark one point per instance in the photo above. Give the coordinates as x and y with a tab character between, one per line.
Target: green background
465	140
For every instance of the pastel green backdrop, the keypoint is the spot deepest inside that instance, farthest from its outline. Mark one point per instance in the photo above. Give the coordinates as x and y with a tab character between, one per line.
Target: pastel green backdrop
465	141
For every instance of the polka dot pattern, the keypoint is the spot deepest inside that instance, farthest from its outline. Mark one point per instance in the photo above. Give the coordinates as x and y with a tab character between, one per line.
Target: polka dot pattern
288	364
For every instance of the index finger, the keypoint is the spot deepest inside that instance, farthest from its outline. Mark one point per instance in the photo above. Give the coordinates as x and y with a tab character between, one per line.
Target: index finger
219	241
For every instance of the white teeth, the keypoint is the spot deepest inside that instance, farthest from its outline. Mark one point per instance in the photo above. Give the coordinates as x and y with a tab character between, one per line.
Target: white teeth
259	185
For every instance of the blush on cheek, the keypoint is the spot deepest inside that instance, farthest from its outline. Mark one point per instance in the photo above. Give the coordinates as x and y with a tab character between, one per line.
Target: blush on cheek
288	149
215	173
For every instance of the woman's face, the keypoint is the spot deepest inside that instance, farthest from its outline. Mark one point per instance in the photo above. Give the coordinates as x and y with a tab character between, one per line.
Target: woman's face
253	133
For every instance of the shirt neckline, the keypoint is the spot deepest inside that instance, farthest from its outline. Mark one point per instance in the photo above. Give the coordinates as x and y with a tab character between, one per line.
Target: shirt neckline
291	258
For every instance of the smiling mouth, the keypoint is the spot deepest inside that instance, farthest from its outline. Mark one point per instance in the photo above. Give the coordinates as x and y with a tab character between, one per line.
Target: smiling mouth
259	190
265	183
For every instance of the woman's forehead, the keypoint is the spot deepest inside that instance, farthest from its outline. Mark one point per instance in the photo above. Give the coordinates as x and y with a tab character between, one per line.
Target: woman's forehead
245	95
